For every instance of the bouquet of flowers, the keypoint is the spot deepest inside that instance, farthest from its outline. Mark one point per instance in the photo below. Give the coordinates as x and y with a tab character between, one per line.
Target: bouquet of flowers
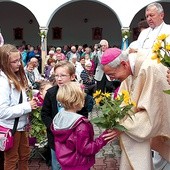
42	34
125	34
114	110
161	52
37	129
125	38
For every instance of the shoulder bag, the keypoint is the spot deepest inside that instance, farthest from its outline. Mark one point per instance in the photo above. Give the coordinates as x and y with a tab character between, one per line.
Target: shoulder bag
7	135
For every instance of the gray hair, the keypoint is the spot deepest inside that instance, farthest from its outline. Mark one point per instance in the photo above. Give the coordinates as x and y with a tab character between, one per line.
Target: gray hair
157	5
104	42
122	57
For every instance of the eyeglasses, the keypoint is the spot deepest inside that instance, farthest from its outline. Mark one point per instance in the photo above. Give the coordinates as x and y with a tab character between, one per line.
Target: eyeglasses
16	61
62	76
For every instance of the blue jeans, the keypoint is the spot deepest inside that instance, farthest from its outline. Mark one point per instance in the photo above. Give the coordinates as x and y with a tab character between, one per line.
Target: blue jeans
54	163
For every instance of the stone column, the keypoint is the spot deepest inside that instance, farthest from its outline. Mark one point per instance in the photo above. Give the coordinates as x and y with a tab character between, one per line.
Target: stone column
43	36
125	37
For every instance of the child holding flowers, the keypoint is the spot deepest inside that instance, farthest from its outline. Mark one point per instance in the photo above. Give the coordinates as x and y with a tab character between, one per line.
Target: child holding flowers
73	133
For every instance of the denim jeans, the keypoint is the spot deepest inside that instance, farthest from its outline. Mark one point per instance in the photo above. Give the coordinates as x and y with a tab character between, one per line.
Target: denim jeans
54	163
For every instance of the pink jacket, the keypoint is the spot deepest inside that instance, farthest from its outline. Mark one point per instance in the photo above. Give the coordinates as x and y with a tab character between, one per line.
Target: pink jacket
75	147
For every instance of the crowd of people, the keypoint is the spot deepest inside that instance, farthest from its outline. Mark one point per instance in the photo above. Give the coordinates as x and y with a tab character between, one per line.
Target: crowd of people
75	73
85	59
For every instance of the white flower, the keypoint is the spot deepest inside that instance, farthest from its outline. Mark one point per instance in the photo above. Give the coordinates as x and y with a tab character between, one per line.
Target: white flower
125	36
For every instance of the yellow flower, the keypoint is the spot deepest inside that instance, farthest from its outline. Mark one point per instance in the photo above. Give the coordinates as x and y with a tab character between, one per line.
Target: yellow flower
126	100
157	46
155	56
98	100
97	93
126	96
107	95
161	50
133	103
162	37
167	47
158	60
125	92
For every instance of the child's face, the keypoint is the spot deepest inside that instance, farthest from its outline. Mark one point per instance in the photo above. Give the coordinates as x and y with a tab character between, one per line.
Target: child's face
15	61
63	76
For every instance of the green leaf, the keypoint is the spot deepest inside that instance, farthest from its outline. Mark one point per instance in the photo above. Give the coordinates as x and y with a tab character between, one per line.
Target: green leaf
38	128
97	120
166	91
165	60
120	127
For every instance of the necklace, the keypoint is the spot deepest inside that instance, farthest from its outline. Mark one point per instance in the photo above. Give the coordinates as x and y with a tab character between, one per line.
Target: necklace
147	37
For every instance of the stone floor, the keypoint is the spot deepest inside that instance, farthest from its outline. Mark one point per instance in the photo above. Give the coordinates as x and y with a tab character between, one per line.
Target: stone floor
101	164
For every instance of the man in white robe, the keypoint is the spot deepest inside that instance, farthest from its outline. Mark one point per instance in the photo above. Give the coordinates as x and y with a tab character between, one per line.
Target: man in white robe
154	14
149	127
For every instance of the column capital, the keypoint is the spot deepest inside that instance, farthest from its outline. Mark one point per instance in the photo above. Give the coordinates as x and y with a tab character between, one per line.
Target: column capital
43	28
124	29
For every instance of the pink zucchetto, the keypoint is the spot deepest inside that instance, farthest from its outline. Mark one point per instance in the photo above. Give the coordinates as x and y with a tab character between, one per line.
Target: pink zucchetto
109	55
